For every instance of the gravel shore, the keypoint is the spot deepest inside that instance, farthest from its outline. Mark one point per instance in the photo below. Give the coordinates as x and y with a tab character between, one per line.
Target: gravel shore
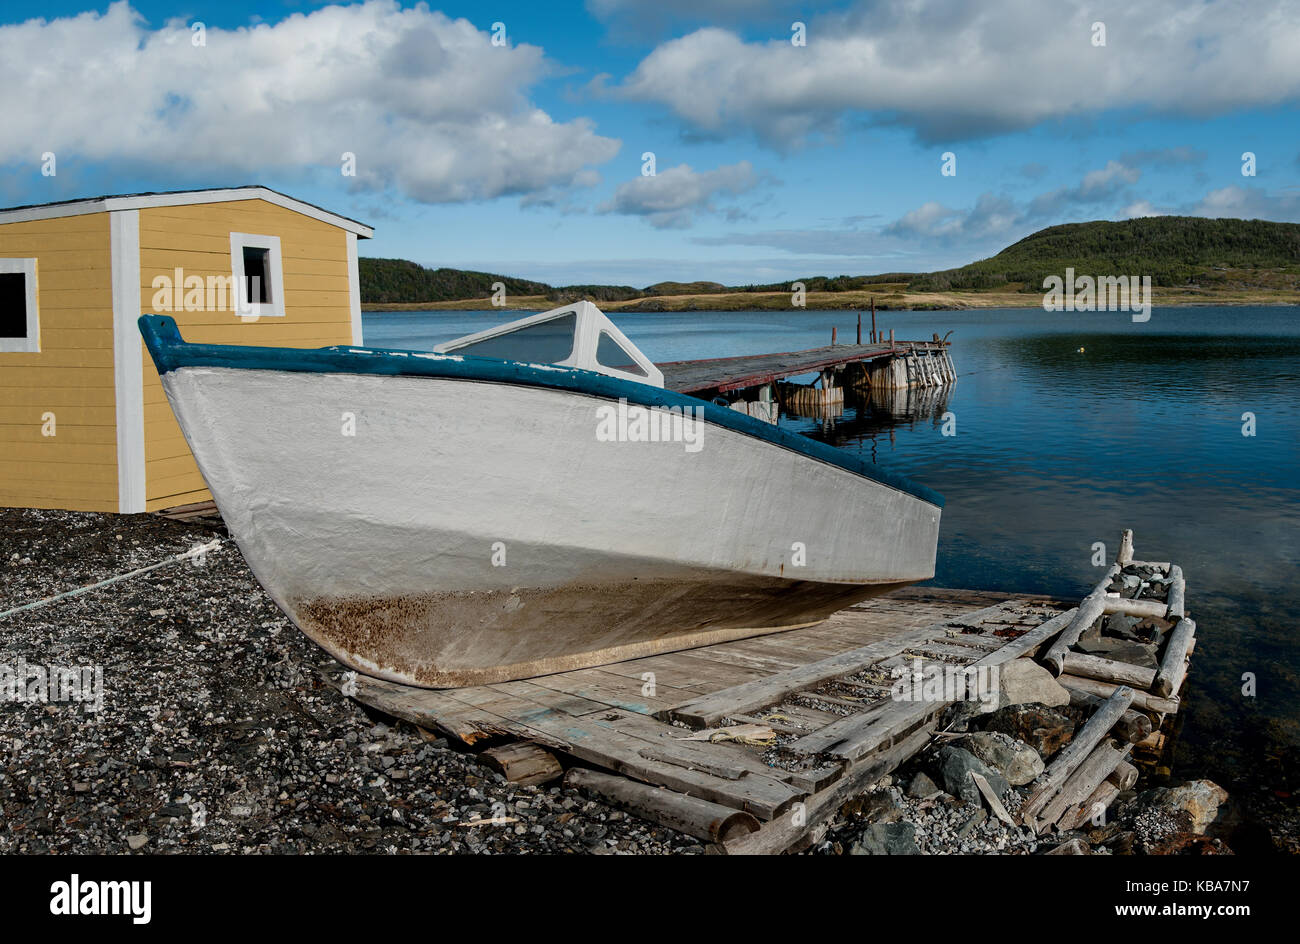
216	734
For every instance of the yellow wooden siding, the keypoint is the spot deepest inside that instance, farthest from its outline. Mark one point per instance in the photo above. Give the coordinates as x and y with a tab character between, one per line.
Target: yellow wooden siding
196	239
71	376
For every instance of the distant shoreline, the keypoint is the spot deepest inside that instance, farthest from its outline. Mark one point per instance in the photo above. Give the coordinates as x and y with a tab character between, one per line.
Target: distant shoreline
841	301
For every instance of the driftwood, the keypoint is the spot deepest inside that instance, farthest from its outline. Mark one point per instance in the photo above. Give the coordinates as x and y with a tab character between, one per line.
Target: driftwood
691	815
1174	664
991	798
1132	726
1076	752
1108	670
1153	704
1141	608
1177	597
523	763
1089	610
1099	801
1124	776
1125	554
1087	777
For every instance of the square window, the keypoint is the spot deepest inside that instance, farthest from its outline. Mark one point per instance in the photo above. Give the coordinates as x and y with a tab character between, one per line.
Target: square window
19	320
258	275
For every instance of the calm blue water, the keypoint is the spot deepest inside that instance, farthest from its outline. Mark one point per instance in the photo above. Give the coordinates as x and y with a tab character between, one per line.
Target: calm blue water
1056	449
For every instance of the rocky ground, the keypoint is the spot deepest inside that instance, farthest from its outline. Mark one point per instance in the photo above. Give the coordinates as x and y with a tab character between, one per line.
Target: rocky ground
216	734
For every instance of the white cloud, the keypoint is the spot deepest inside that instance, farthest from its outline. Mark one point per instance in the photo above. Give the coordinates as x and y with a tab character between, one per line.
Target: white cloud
671	198
1250	203
952	70
427	104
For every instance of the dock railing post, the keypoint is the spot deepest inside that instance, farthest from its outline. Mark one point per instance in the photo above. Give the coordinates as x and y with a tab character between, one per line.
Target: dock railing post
859	327
874	338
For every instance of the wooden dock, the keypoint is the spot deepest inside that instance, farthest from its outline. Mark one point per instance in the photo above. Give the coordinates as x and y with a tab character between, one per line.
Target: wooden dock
755	744
721	375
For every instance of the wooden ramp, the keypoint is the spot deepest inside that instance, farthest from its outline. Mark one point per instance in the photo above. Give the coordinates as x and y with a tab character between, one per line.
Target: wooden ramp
819	698
722	374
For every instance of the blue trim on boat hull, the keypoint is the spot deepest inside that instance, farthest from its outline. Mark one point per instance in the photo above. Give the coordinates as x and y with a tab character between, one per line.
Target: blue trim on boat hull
170	352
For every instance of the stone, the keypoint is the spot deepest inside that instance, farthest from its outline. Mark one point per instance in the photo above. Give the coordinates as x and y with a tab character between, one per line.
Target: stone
956	766
1044	729
922	787
1121	626
1121	650
879	807
1015	760
1200	799
1023	681
137	841
886	839
1070	847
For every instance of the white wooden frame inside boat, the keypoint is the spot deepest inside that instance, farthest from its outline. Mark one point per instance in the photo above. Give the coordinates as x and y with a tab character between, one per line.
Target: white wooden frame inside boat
590	322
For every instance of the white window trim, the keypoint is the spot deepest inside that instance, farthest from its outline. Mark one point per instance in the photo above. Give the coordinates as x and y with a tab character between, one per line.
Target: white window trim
31	344
243	307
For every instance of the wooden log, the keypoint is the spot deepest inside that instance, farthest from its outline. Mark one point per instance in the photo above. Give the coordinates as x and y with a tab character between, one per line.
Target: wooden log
1125	554
1173	666
1140	608
1085	740
1089	610
1087	777
1109	670
1124	776
523	763
702	819
1152	704
1177	597
1098	802
1132	726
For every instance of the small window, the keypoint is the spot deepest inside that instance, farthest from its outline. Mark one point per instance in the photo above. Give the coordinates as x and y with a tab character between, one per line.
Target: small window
611	354
259	279
544	342
19	323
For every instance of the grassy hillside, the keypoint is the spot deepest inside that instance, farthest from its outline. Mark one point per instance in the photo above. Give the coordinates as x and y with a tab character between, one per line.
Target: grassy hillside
1175	251
1192	258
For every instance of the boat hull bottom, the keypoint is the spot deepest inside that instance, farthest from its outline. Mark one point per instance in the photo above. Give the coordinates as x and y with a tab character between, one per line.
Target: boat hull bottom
450	640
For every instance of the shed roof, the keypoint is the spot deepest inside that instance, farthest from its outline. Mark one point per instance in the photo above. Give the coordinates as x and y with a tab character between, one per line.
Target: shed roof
135	201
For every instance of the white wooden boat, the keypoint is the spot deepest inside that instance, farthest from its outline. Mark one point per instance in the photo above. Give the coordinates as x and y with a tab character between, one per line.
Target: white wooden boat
526	500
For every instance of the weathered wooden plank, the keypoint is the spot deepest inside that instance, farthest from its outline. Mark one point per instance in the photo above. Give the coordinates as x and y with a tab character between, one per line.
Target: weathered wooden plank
746	698
859	734
789	833
1109	670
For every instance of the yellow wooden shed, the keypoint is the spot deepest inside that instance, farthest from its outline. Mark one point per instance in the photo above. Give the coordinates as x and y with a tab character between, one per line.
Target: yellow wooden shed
84	424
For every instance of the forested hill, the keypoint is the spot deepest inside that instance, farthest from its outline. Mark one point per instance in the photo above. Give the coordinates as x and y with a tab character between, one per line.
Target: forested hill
1173	250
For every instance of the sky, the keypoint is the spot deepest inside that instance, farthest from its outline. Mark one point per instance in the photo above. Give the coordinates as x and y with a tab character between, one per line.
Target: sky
611	141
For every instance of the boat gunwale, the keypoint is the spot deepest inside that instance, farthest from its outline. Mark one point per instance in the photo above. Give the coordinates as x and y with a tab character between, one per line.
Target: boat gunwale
171	352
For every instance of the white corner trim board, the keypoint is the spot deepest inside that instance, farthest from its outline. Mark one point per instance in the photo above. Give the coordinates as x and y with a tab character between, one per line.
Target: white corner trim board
128	360
354	290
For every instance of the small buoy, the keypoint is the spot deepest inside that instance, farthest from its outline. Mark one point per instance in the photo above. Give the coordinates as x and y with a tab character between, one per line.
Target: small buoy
1080	351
